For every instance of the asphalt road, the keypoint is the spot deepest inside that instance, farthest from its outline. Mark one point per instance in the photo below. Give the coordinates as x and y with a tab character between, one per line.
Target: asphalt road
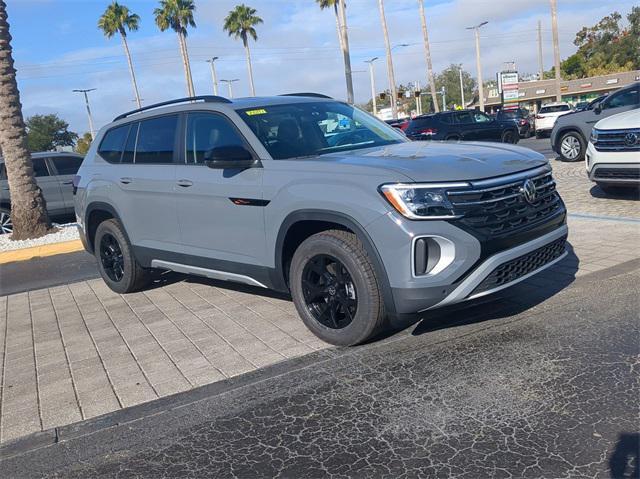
542	385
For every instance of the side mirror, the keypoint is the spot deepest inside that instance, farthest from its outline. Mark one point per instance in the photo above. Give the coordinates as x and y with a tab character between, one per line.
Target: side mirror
227	157
598	108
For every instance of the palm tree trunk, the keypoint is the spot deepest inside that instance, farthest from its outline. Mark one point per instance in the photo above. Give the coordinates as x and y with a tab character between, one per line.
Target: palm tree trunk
133	75
345	51
249	67
392	79
427	54
338	25
185	64
28	208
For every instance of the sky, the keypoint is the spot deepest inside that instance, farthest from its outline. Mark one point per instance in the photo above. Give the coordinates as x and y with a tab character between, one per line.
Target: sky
57	47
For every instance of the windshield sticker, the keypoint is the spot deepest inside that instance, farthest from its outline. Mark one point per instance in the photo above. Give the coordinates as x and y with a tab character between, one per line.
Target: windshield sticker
261	111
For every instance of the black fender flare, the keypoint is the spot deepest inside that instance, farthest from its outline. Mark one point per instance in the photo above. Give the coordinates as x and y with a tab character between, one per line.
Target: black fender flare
100	206
343	220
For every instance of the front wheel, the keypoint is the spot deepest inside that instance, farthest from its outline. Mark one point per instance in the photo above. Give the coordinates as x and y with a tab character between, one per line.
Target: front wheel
6	227
572	147
335	289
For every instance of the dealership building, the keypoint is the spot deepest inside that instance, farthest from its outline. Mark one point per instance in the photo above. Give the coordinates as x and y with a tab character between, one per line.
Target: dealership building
533	94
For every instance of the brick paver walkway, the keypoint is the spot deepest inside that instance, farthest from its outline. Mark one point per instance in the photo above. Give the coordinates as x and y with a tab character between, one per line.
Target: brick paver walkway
77	351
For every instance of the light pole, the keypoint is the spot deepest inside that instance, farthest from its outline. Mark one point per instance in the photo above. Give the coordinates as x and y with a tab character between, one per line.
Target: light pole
427	54
478	65
373	85
86	100
214	77
230	85
461	87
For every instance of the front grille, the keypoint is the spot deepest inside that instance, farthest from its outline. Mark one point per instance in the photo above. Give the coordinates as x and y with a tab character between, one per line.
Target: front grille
618	140
617	173
502	209
525	264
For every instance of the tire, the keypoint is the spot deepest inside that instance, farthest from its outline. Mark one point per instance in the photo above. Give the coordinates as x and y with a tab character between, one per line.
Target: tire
6	227
538	135
509	136
124	274
335	289
452	138
571	147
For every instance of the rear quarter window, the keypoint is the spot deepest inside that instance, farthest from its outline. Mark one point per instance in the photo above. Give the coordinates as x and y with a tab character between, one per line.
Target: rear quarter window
67	165
111	146
554	109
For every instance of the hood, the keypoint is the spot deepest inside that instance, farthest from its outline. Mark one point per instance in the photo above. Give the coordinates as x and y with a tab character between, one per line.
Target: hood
443	161
627	119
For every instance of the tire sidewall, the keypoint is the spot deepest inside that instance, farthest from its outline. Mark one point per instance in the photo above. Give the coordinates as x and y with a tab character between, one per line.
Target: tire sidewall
127	282
367	312
581	142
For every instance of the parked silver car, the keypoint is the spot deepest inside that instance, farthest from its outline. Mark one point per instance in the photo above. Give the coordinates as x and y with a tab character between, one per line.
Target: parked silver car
54	174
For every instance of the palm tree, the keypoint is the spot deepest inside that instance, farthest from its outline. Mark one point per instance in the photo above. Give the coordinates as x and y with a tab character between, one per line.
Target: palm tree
117	19
240	23
178	15
28	208
339	9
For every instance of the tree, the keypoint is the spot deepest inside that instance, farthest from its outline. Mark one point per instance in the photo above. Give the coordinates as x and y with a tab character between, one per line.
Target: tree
46	132
240	23
28	208
84	143
449	78
117	19
339	9
178	15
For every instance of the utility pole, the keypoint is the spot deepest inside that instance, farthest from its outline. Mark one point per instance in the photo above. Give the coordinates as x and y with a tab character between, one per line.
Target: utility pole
540	60
86	101
461	87
427	54
556	46
392	79
444	99
373	85
478	64
230	85
214	76
345	49
416	94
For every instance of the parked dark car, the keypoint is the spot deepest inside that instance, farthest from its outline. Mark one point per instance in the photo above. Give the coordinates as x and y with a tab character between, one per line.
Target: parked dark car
54	174
522	117
400	124
466	125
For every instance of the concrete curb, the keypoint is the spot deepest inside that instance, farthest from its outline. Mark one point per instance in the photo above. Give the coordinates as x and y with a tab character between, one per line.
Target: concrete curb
25	254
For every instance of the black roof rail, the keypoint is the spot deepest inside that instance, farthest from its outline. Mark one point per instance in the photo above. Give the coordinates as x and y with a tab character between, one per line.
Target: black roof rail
204	98
310	94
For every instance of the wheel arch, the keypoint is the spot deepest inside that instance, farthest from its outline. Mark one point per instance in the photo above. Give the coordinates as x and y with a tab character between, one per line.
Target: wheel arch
96	213
566	129
330	219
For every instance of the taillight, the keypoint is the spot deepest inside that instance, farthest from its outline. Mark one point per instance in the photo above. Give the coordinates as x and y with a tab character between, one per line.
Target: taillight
523	122
76	182
428	131
538	117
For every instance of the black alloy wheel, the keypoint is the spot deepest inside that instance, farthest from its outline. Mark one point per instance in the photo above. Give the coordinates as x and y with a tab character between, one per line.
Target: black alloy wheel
111	257
329	291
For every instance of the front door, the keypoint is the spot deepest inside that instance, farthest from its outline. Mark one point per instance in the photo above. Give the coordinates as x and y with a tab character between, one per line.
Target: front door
615	103
487	129
66	168
220	211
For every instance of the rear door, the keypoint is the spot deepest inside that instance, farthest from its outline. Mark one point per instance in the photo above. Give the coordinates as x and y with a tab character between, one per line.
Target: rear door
220	211
65	168
466	126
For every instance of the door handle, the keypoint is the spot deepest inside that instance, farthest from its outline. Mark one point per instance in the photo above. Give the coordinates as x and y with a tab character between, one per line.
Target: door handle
125	181
70	182
185	183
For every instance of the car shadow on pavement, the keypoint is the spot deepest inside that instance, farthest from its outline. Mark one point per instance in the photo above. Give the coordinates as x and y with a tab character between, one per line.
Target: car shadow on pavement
508	302
625	459
632	194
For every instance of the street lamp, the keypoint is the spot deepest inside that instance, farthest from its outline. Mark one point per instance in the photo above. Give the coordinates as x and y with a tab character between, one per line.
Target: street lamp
373	85
214	77
86	100
230	85
476	28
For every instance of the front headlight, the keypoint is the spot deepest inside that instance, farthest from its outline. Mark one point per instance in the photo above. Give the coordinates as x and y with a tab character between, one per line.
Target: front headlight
421	201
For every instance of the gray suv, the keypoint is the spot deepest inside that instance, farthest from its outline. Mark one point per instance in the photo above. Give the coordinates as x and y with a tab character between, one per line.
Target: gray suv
570	134
54	174
308	195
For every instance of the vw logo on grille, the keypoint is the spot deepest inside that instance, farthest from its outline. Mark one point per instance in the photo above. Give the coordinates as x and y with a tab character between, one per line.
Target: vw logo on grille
630	139
529	191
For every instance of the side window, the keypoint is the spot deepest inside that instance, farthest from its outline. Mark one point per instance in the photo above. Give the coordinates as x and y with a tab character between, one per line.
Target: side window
447	118
67	165
130	146
156	138
206	131
480	117
40	167
111	146
464	117
623	98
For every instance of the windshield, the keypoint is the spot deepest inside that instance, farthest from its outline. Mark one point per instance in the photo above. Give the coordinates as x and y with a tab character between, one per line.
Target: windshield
316	128
554	108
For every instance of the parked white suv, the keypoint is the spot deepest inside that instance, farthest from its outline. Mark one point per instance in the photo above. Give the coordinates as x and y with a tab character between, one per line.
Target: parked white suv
547	116
613	154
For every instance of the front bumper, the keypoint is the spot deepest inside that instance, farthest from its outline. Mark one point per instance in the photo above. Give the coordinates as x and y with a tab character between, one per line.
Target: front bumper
614	167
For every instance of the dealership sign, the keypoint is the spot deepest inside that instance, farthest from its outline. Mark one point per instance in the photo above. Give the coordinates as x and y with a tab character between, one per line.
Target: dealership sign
508	86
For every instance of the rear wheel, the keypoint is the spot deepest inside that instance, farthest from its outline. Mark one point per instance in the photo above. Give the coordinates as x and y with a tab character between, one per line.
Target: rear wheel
116	263
6	227
572	146
509	136
335	289
452	138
